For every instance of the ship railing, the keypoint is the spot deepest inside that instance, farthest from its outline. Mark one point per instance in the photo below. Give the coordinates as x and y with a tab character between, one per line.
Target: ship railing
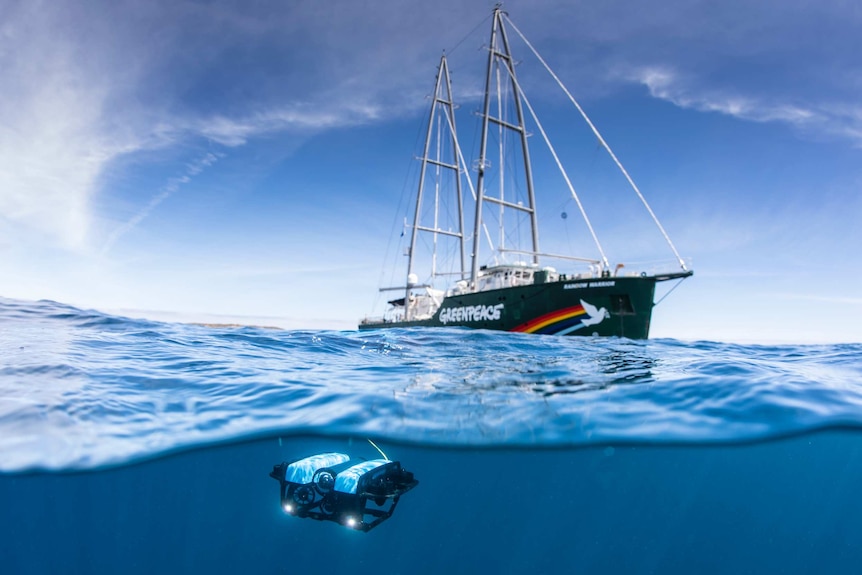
652	268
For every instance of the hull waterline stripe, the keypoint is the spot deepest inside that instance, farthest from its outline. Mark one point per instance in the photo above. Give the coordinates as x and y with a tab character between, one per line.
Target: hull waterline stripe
535	325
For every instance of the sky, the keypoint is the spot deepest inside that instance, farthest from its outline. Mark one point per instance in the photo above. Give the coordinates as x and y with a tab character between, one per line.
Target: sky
248	161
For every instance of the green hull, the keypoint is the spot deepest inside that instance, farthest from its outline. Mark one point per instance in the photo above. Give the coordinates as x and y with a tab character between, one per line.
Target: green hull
613	306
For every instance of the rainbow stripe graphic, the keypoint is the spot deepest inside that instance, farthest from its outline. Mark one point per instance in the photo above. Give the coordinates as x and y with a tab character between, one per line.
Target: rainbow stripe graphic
560	322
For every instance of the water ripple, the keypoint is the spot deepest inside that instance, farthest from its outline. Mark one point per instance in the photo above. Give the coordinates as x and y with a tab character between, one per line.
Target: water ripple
81	389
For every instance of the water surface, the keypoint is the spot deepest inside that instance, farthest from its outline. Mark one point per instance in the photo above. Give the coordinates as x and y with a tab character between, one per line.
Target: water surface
139	447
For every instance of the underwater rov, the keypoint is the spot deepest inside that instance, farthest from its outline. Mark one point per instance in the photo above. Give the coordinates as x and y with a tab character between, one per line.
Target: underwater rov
330	487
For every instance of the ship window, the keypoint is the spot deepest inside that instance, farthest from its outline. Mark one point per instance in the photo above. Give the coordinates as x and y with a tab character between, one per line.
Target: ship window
621	304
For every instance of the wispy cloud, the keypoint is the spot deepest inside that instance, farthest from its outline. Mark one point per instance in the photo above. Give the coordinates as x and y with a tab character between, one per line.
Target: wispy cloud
690	92
236	131
52	147
89	82
173	185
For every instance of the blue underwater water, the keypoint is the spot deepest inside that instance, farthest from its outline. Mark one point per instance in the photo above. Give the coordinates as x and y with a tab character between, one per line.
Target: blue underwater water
130	446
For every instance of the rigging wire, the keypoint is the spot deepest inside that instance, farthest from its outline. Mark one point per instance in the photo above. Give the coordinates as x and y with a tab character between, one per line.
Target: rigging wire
562	171
469	181
470	33
403	202
604	144
670	291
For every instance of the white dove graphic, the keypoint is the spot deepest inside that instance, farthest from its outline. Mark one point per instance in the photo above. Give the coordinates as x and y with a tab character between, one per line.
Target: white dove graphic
596	315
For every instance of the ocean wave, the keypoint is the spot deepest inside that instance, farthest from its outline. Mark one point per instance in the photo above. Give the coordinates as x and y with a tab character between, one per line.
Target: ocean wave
83	389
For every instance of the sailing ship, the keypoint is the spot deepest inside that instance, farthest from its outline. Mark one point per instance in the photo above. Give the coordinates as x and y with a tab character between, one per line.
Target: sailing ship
508	286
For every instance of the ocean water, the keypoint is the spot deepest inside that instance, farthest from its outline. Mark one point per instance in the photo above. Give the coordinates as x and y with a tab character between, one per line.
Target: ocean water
130	446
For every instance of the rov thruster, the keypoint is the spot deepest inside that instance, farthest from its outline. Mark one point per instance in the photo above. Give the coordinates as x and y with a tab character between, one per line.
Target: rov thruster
331	487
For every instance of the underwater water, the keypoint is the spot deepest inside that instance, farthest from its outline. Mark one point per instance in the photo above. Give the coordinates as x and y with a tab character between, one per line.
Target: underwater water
131	446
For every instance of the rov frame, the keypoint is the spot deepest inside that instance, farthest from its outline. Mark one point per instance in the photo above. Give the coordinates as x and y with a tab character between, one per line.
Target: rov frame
359	495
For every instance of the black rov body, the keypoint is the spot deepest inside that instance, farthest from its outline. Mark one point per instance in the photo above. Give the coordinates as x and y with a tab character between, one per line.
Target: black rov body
330	487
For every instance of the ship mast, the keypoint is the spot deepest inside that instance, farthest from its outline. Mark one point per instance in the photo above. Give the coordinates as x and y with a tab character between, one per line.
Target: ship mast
442	110
499	55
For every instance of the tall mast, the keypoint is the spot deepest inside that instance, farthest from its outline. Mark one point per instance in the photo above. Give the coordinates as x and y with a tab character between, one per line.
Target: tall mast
441	104
499	55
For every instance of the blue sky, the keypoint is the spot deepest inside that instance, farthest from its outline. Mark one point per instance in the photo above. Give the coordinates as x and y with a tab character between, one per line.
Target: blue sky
210	160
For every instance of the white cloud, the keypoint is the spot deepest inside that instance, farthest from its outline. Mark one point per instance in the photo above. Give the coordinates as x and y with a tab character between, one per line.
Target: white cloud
667	85
51	146
691	92
233	132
